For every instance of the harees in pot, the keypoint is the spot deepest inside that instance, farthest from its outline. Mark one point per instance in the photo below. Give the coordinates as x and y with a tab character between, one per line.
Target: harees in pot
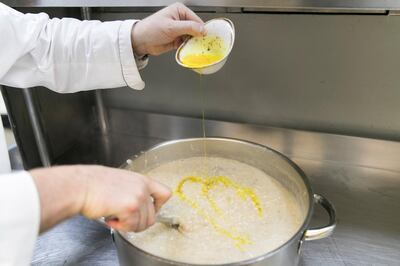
282	188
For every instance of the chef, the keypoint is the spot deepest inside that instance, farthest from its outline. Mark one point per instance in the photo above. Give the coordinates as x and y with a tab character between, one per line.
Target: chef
68	55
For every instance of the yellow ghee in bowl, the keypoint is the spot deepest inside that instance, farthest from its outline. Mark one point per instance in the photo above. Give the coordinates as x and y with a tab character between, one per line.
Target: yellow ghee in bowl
203	51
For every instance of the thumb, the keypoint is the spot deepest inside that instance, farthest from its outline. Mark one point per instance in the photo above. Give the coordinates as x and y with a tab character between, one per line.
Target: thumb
160	194
187	27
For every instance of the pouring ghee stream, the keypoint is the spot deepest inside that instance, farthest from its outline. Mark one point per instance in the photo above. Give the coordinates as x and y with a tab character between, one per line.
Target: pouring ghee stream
205	51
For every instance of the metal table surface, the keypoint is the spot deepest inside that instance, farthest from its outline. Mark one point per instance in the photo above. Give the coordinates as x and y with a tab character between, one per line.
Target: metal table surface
361	177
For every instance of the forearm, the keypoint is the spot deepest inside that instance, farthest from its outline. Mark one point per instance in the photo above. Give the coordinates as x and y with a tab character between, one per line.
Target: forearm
98	191
65	55
61	192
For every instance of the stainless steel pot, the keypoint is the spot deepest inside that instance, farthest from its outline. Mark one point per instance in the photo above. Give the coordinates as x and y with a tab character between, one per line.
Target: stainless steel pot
270	161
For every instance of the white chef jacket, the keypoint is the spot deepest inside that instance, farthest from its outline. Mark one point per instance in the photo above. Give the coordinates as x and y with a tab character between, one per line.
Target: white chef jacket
64	55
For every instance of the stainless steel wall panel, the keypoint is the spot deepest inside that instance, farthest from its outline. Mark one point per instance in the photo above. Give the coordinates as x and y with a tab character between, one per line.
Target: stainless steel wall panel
330	73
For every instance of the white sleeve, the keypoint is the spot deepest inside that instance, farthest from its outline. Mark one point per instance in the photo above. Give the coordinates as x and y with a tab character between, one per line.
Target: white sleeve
19	218
65	55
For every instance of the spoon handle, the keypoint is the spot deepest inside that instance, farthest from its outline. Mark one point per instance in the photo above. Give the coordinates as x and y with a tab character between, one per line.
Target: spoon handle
167	220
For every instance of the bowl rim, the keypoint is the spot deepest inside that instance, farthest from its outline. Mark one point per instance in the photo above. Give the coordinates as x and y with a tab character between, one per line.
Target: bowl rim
298	234
177	53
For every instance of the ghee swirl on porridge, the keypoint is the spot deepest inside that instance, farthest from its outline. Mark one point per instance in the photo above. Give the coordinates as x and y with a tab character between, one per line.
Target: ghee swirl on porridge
232	213
208	184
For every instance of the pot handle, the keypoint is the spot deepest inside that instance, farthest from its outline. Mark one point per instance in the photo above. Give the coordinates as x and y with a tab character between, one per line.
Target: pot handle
324	231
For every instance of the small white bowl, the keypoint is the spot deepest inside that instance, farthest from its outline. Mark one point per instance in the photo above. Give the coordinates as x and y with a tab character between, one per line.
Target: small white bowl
221	27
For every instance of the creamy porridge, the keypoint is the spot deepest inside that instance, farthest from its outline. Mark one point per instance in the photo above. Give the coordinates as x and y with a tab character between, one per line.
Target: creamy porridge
230	211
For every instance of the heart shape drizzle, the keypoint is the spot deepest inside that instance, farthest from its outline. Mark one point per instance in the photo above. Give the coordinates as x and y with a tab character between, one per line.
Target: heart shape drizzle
209	183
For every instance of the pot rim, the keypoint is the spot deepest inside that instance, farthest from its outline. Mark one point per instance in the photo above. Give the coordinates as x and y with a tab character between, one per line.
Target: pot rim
300	231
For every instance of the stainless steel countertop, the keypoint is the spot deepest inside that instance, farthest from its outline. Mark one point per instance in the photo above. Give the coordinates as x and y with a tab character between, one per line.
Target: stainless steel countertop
361	177
261	4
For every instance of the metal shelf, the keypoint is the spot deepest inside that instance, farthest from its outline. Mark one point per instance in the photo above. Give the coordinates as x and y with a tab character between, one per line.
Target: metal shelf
290	5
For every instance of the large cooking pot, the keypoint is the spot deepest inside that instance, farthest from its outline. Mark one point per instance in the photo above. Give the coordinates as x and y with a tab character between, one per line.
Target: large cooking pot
270	161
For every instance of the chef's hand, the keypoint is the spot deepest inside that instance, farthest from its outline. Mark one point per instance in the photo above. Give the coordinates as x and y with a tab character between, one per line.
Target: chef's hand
97	191
130	198
165	30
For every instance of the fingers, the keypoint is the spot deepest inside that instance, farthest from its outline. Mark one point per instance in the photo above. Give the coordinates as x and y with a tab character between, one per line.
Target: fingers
126	198
134	222
143	218
151	212
157	33
187	27
127	223
141	215
178	41
187	14
160	194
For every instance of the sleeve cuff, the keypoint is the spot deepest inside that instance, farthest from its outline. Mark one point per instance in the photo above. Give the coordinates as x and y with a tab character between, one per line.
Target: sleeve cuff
130	70
19	218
